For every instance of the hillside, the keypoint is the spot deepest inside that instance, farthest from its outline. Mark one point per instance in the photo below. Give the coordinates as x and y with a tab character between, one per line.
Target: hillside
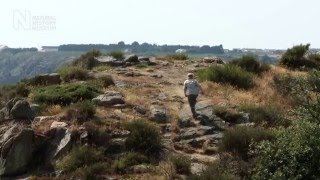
14	67
128	118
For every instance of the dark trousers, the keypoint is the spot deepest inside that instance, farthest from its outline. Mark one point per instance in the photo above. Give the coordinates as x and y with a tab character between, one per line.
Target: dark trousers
192	99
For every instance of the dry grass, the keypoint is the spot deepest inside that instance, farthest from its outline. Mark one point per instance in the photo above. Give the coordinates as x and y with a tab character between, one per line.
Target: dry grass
52	110
263	93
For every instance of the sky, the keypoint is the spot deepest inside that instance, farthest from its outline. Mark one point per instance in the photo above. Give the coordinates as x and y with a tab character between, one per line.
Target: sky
270	24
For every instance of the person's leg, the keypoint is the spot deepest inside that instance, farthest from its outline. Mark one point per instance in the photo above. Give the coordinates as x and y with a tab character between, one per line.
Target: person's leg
192	102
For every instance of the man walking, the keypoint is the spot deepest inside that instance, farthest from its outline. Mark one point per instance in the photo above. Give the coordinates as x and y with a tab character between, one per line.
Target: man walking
191	91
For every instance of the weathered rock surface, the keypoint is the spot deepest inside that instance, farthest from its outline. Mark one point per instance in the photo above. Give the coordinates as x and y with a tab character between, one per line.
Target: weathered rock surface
17	108
131	59
158	113
109	99
58	144
16	150
22	110
216	60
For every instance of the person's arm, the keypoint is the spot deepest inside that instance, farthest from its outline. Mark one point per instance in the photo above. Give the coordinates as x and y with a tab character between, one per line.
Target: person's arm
185	89
200	88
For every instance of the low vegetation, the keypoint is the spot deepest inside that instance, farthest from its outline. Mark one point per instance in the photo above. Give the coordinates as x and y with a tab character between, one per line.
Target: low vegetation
213	172
81	111
69	73
296	58
80	157
182	164
64	94
227	74
294	154
251	64
87	61
178	56
265	115
238	140
117	54
144	137
127	160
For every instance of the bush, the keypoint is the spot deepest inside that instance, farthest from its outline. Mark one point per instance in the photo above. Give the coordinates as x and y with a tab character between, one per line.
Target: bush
64	94
251	64
80	157
213	172
144	137
290	86
314	57
227	74
294	154
8	92
127	160
81	111
91	172
87	60
238	140
178	56
117	54
267	115
106	80
182	164
69	73
295	57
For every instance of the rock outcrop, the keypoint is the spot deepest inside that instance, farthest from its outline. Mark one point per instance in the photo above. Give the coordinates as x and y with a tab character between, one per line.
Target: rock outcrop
17	108
109	99
16	148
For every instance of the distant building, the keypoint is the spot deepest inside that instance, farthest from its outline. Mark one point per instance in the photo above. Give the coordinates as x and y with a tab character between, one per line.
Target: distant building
49	48
181	51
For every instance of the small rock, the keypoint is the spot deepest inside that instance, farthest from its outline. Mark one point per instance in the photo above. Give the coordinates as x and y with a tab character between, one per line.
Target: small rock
56	124
158	113
157	75
22	110
197	168
109	99
132	59
140	110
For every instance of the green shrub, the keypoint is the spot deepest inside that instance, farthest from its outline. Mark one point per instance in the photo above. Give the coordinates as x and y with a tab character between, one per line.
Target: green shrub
314	57
295	57
238	140
290	86
69	73
64	94
178	56
251	64
80	157
144	137
91	172
182	164
8	92
106	80
294	154
127	160
87	60
81	111
117	54
314	80
227	74
213	172
268	115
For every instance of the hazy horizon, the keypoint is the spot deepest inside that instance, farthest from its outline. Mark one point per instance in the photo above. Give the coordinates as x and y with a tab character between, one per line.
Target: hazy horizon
234	24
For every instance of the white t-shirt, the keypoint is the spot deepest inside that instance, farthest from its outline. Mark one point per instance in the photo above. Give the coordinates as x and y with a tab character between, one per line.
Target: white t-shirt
192	87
